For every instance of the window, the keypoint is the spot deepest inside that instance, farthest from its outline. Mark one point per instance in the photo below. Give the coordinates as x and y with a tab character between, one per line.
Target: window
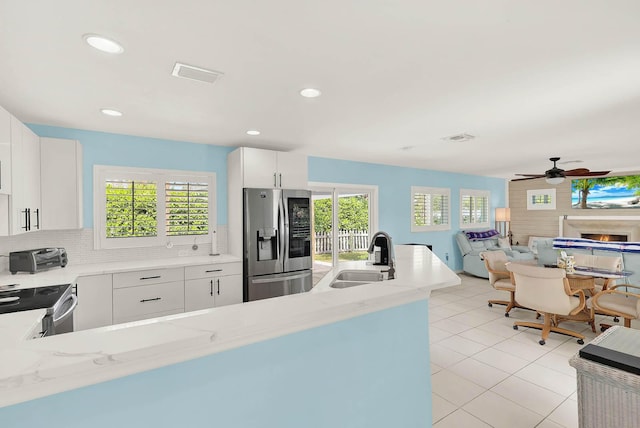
474	208
430	209
131	208
138	207
187	206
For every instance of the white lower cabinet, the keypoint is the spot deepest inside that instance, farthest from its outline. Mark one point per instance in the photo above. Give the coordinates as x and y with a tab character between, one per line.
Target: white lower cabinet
198	294
215	285
137	295
229	290
147	301
205	293
95	302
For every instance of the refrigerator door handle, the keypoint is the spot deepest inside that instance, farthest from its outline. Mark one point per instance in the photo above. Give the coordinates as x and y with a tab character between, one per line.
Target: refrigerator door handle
281	278
284	233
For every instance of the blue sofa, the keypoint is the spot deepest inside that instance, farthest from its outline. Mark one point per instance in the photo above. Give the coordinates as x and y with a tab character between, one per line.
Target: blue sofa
549	249
473	264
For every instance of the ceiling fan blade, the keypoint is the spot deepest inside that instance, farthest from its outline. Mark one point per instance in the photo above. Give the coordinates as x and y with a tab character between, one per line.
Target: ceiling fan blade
577	171
527	178
531	175
588	173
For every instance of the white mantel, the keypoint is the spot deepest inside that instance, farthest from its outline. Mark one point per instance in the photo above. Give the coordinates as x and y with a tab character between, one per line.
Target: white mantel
574	226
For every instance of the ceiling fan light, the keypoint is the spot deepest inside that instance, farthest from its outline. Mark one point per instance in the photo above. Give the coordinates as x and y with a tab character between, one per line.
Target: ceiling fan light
555	180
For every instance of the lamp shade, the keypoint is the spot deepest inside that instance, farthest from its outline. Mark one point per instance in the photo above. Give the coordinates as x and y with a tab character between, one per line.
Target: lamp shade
503	214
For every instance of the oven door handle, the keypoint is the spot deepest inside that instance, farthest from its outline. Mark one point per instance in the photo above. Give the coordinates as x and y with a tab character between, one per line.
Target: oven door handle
69	311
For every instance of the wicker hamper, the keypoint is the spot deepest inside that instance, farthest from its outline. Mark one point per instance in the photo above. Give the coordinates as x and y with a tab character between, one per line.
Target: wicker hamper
607	397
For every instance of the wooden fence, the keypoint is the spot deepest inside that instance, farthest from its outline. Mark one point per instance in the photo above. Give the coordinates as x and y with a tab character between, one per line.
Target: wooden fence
348	240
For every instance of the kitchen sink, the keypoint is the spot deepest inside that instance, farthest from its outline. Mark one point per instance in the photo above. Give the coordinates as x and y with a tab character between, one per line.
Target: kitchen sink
346	284
352	278
360	275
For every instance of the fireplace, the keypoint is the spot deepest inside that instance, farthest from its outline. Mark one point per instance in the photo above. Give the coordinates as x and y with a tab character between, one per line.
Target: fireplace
604	237
601	228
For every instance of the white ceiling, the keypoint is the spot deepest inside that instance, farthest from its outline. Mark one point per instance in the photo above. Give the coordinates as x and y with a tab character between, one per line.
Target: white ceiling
530	78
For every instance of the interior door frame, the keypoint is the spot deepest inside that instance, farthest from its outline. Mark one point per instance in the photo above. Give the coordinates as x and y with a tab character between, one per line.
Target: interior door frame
336	189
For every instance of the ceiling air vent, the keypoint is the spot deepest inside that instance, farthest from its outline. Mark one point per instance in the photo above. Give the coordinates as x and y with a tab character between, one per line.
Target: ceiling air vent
459	137
195	73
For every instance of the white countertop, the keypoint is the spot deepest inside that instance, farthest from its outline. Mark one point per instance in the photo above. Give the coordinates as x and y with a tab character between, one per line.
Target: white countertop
34	368
68	274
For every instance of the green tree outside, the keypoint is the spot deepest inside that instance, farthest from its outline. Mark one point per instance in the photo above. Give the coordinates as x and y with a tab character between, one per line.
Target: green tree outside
131	209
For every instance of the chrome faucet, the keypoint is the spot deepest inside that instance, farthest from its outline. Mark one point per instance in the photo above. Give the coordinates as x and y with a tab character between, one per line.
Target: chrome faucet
386	246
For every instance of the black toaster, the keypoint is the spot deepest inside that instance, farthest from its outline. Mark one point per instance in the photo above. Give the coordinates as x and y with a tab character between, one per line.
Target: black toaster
33	261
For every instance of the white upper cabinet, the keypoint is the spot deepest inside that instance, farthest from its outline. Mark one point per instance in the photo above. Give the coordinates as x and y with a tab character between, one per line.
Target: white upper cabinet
61	183
18	217
293	172
5	152
259	168
23	204
31	177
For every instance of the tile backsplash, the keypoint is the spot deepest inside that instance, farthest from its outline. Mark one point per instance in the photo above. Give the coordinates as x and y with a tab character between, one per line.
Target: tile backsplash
79	246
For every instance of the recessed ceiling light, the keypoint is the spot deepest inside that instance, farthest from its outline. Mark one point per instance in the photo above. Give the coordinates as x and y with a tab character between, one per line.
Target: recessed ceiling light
103	44
310	93
111	112
253	132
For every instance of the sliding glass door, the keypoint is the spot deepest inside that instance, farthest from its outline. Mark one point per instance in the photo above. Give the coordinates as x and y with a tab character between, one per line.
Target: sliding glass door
343	219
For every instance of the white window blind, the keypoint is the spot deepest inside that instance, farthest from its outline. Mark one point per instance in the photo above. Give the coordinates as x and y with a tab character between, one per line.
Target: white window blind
144	207
187	208
474	208
430	209
131	208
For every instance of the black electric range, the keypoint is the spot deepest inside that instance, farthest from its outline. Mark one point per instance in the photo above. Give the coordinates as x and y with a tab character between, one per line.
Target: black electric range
26	299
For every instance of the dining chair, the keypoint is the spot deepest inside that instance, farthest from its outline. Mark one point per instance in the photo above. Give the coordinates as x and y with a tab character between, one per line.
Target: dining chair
547	291
618	303
610	263
500	278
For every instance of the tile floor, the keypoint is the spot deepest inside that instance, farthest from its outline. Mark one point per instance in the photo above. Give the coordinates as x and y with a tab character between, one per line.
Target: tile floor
486	374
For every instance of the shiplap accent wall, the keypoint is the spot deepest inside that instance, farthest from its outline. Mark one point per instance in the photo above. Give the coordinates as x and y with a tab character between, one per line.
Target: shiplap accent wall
526	223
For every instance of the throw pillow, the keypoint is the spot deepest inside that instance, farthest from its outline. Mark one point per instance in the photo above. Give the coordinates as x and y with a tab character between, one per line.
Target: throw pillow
478	236
504	243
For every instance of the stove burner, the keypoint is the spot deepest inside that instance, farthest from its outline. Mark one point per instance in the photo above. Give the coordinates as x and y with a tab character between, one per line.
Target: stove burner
27	299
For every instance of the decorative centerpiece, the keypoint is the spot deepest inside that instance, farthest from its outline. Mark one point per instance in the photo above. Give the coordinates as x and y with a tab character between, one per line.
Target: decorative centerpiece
568	263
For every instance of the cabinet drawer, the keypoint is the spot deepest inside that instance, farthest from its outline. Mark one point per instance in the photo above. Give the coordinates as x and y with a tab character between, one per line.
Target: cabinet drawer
147	299
144	277
147	316
218	269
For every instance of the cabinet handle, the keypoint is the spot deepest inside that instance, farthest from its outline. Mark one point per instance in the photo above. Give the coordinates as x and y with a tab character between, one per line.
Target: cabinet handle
275	183
150	300
38	218
26	219
213	270
280	179
29	218
211	287
218	286
150	277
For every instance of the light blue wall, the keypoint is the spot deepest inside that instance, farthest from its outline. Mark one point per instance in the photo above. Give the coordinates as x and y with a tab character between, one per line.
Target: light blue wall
394	186
100	148
394	182
372	371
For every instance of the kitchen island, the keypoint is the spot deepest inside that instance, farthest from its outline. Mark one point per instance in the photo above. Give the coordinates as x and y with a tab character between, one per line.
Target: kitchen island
331	357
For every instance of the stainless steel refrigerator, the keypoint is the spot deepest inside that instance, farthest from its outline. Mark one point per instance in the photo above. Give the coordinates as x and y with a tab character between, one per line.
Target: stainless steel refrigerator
277	242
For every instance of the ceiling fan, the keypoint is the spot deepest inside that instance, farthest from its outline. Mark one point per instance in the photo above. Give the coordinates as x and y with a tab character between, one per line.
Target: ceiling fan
556	175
